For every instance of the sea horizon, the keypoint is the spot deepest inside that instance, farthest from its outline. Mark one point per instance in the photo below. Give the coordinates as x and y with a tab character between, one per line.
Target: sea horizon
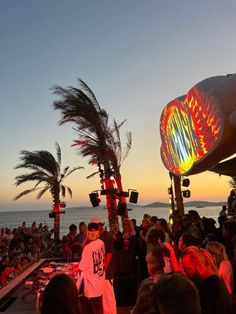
156	204
75	215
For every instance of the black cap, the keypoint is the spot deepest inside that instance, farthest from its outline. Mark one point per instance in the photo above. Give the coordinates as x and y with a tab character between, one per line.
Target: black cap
92	226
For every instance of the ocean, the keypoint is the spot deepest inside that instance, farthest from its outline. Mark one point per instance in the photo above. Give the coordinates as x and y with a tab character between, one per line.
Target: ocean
75	215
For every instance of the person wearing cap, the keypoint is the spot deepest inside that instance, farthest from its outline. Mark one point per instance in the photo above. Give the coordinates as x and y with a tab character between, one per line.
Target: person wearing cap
92	266
108	298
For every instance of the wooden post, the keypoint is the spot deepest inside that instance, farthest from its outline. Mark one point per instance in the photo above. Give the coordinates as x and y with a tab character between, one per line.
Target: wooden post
178	195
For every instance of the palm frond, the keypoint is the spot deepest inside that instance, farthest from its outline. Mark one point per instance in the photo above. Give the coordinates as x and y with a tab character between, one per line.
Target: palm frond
44	169
23	193
38	160
76	106
117	134
81	107
72	170
90	93
128	145
92	175
40	194
63	191
34	176
97	138
58	151
64	171
69	191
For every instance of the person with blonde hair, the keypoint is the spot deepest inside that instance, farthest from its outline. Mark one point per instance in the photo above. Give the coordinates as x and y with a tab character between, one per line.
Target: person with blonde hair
197	261
224	266
128	227
198	265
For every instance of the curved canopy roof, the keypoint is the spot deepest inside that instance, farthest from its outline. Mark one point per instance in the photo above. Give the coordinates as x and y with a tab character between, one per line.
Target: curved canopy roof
226	168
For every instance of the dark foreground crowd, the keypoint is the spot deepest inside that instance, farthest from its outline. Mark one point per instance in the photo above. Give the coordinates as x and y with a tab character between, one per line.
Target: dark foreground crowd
186	267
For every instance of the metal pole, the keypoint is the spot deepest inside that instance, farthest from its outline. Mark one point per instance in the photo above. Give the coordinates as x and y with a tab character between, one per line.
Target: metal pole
178	195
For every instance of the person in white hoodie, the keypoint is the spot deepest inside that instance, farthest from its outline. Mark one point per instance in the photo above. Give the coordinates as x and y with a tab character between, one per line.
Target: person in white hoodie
92	266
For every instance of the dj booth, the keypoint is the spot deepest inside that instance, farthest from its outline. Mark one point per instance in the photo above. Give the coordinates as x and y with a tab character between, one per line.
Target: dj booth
23	293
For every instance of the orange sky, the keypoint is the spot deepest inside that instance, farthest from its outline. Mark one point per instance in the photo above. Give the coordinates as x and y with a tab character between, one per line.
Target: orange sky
136	56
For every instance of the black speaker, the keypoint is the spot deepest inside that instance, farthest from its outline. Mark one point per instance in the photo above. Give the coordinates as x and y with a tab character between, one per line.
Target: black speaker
133	197
187	193
121	208
94	199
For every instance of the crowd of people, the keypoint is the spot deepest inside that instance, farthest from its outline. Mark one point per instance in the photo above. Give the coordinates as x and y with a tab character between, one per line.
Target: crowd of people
22	246
190	264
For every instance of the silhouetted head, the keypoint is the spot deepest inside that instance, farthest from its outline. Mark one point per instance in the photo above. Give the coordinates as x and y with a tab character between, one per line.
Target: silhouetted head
217	251
156	236
155	261
176	294
60	296
73	229
188	239
93	231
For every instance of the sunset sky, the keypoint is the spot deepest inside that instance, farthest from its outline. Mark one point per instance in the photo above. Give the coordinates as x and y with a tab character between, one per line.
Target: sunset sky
135	55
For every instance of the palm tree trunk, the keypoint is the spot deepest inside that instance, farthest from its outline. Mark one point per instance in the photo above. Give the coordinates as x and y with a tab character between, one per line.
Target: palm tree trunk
109	184
122	198
111	203
56	209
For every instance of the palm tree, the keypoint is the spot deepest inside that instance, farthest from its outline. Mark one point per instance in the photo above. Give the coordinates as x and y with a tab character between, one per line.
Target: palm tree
114	153
81	107
46	170
116	156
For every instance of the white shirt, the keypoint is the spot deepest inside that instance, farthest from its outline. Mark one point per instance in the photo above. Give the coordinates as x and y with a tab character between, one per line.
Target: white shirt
92	265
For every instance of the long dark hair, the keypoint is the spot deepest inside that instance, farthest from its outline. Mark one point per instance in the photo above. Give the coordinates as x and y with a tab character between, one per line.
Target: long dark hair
61	296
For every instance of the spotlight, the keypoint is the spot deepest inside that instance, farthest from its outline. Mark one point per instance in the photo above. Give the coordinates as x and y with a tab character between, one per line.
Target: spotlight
133	197
94	199
185	182
187	193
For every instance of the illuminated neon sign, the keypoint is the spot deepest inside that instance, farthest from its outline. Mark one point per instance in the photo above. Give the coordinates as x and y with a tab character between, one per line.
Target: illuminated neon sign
196	128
